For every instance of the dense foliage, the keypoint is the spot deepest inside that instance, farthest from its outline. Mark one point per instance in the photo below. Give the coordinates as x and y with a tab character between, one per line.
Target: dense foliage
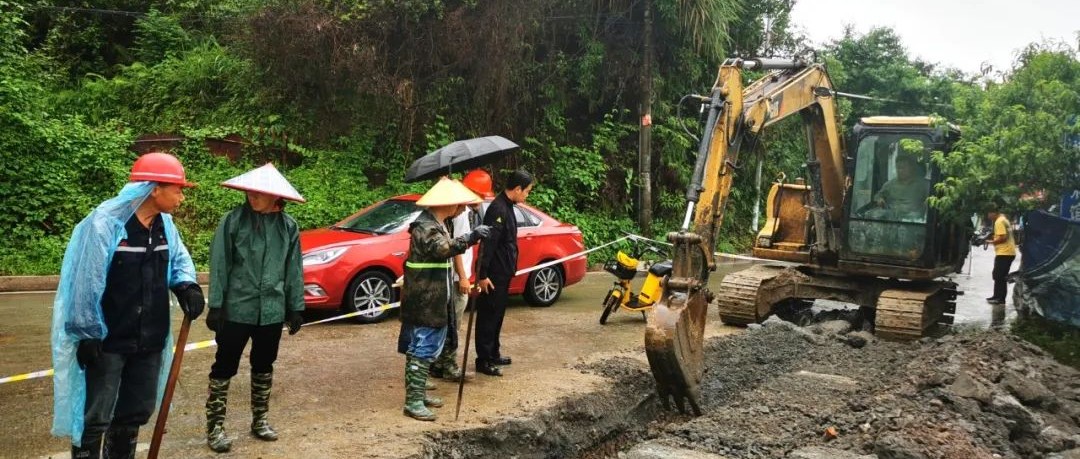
344	94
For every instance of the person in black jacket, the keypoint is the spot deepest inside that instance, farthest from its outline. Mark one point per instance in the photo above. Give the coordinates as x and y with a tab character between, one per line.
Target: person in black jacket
498	263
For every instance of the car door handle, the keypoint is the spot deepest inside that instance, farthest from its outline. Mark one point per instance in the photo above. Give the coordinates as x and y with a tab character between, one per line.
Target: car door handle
398	254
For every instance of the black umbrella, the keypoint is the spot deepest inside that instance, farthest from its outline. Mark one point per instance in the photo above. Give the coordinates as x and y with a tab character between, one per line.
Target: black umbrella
459	156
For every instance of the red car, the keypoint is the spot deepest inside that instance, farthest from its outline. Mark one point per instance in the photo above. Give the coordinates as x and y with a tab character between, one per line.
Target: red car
353	264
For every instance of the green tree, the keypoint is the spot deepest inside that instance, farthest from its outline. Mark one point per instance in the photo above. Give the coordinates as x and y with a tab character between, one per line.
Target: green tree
876	64
1013	135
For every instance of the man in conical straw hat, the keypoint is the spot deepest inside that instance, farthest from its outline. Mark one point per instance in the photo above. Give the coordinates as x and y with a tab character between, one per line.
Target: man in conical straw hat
256	284
428	291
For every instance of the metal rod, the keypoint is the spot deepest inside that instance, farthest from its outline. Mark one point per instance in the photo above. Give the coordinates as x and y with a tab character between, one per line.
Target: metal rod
693	191
757	197
689	215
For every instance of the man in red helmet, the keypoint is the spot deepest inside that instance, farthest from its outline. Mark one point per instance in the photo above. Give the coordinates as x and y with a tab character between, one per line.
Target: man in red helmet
478	181
110	332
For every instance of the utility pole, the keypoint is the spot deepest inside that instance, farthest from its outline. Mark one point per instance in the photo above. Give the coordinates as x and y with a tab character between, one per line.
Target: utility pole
645	135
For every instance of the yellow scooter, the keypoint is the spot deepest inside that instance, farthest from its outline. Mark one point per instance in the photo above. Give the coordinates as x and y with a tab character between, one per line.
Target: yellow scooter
624	267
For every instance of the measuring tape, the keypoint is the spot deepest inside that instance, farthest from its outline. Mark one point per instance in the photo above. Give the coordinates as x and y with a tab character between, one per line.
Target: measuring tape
208	343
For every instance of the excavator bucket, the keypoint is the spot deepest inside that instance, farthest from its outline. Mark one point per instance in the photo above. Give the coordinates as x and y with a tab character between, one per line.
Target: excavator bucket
675	329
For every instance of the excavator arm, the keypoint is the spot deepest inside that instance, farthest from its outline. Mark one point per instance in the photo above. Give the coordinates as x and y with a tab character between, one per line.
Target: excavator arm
674	335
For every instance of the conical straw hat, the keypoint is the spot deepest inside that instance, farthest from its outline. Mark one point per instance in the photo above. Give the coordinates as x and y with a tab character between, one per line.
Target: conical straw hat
448	192
267	180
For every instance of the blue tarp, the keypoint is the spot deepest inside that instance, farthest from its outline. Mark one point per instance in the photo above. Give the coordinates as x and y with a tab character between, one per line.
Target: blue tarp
1049	281
77	309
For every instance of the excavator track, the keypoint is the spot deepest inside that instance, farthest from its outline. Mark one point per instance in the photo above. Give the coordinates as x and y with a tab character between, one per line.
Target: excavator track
907	313
737	298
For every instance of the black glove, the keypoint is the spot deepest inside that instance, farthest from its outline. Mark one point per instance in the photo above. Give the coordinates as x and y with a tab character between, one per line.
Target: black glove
88	353
478	233
215	319
191	300
295	320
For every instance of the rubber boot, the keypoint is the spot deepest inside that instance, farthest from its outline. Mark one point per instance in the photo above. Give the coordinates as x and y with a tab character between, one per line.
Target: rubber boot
416	373
260	406
446	366
90	449
216	402
120	443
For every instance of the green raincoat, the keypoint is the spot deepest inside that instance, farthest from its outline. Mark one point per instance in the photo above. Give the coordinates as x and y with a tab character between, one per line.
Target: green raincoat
256	271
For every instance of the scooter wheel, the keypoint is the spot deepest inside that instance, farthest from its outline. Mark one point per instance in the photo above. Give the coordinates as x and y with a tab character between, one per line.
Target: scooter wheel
611	303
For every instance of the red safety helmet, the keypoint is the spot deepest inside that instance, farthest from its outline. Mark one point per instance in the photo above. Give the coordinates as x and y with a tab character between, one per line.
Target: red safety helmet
479	181
161	168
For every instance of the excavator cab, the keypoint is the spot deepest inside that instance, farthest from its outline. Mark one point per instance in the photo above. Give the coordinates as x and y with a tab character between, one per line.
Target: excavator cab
891	175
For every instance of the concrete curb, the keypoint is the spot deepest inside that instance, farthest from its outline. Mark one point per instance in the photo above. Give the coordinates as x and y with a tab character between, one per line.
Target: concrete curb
10	284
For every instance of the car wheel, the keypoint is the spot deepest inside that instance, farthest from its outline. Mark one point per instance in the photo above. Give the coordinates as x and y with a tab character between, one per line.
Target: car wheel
369	291
544	286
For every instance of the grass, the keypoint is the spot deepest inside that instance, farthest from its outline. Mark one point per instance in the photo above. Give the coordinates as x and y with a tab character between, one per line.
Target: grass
1059	340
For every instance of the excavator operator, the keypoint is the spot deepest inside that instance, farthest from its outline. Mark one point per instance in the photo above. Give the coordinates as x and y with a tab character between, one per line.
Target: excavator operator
905	195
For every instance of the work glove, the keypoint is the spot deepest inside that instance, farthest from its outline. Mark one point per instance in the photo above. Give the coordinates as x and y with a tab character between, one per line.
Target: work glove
295	320
215	319
191	300
89	352
478	233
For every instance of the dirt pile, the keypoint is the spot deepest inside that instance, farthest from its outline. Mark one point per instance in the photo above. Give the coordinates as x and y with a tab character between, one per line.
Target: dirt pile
969	395
783	391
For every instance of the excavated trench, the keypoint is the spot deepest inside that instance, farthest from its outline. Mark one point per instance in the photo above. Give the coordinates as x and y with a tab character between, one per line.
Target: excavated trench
785	391
603	423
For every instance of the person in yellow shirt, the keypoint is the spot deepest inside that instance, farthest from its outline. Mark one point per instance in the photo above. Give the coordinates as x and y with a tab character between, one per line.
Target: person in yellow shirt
1004	251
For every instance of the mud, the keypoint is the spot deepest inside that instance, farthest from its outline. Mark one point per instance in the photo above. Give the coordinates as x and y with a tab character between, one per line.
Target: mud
785	391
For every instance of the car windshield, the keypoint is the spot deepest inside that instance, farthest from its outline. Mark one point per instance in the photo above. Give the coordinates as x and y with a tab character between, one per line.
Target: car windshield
386	217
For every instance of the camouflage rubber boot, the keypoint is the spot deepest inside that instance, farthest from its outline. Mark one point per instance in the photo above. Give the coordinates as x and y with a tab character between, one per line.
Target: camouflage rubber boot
260	406
120	443
446	366
216	401
416	373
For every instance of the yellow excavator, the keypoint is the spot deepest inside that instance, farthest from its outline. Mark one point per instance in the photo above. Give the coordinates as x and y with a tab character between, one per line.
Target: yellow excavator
857	230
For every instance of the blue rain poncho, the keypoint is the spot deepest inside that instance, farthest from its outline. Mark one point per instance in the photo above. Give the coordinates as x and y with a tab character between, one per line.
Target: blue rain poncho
77	309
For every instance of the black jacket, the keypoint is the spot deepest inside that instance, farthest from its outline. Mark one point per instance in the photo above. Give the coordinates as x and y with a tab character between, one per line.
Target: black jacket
135	303
500	251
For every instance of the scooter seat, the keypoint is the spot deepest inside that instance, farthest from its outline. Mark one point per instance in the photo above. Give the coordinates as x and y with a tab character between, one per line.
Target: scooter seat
661	269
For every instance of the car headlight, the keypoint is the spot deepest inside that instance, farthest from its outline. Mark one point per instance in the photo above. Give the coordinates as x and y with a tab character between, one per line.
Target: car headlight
322	257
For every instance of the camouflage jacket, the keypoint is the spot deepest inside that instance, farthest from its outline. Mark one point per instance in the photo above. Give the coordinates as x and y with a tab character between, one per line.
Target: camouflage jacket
428	271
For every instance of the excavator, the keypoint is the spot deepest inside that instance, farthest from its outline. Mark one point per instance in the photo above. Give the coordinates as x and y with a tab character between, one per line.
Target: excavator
858	229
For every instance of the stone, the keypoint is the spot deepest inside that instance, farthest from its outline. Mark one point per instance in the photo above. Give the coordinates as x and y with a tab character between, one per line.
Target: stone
1029	391
774	321
653	450
1051	439
895	446
832	380
820	452
831	327
1026	422
968	387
